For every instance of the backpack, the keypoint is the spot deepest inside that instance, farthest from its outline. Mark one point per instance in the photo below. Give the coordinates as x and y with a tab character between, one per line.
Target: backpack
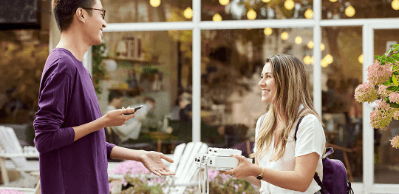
334	174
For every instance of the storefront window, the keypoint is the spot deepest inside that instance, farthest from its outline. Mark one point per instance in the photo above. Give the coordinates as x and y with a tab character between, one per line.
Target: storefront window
386	158
338	9
342	114
231	63
147	11
251	10
148	68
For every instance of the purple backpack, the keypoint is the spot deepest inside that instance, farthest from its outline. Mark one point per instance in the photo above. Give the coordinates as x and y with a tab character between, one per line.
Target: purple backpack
334	174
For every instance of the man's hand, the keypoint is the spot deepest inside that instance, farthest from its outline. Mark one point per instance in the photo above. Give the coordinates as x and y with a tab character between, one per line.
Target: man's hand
116	117
152	161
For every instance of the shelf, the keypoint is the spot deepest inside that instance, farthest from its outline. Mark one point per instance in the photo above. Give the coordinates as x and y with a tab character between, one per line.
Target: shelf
142	62
128	91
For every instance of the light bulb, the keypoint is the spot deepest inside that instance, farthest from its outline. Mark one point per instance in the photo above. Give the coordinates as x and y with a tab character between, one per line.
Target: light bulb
350	11
224	2
395	4
360	59
188	13
324	63
284	35
309	13
322	47
268	31
251	15
329	59
298	40
310	44
289	4
155	3
217	17
266	1
307	60
333	0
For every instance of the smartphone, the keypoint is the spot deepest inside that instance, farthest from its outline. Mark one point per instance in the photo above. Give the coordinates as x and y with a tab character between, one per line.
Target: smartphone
135	109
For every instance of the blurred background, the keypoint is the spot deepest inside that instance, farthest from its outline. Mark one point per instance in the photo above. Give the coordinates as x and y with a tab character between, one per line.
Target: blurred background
201	70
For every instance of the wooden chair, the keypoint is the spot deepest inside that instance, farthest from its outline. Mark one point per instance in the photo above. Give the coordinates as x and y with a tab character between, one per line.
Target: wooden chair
10	148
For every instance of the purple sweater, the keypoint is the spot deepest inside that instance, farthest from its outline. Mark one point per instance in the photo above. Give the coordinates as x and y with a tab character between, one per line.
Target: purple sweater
67	99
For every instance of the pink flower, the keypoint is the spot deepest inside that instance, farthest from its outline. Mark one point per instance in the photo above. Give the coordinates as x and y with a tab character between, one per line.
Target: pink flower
379	119
383	91
396	115
395	142
9	191
133	167
394	97
378	74
365	93
124	182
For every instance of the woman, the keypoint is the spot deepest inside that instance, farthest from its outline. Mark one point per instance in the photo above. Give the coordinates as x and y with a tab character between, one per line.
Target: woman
284	165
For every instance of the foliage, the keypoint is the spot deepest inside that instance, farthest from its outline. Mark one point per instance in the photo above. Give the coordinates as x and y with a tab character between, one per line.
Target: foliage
136	181
21	68
99	70
382	85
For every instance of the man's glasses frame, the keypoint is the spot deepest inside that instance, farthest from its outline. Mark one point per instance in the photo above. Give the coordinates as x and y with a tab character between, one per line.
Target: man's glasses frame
102	10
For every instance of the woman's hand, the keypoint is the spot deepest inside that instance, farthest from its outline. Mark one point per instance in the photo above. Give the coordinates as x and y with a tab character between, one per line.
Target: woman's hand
244	168
152	161
117	117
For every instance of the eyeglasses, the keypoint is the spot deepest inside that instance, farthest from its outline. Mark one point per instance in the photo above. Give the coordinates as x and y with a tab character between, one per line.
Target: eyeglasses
102	10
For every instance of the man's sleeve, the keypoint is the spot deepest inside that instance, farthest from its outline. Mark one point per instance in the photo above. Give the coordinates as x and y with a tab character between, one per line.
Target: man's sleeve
53	102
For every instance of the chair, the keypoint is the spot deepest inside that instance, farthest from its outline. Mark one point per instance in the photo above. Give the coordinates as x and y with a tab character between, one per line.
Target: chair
10	148
183	166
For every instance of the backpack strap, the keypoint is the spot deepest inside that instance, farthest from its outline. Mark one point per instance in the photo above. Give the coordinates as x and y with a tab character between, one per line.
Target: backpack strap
297	127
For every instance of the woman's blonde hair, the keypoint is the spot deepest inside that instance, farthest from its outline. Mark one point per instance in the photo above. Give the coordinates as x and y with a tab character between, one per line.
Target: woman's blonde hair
292	91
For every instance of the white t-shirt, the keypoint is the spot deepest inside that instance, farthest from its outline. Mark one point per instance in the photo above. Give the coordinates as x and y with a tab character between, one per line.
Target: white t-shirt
310	138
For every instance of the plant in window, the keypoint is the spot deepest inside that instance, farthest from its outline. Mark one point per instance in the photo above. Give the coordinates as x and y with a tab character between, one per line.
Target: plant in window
382	88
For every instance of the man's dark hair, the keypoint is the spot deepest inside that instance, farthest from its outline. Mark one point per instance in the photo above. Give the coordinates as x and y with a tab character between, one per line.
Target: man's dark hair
114	94
64	11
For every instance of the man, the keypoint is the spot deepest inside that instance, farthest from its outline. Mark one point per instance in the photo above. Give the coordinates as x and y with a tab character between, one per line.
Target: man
132	128
69	126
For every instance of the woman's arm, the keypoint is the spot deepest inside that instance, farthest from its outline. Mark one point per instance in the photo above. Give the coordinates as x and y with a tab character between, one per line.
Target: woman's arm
297	180
252	179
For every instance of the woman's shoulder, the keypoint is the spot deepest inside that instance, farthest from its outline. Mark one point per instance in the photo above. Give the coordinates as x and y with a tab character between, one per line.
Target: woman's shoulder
310	120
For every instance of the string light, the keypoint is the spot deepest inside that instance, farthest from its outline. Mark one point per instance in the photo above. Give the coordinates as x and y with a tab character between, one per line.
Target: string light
329	59
224	2
266	1
251	15
360	59
333	0
309	13
217	17
310	44
322	47
188	13
395	4
298	40
284	35
350	11
155	3
289	4
268	31
307	60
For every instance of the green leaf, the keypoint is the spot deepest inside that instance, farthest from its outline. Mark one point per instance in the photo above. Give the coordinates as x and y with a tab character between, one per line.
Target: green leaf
390	60
393	88
394	80
394	105
395	56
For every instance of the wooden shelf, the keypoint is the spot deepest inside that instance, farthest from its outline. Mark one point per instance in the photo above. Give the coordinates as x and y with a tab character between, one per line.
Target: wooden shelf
128	91
141	62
